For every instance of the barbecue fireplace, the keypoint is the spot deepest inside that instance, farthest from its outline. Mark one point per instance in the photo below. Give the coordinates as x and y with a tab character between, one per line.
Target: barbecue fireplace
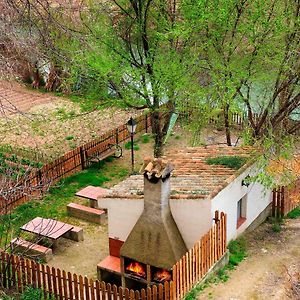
155	244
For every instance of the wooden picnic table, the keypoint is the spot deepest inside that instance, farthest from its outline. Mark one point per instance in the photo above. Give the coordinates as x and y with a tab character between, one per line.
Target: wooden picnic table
48	228
92	193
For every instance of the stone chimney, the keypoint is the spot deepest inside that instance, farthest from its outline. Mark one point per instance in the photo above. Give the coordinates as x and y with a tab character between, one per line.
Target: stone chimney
155	239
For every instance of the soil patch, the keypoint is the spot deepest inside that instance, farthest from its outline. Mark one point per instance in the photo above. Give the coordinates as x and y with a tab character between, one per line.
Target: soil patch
263	274
82	257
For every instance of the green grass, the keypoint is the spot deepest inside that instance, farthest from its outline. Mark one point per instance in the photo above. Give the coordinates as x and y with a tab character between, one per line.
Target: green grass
136	147
53	204
69	137
30	293
237	252
276	223
145	138
233	162
294	214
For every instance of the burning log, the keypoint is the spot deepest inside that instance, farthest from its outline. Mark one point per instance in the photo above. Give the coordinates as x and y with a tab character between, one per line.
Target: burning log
162	275
136	269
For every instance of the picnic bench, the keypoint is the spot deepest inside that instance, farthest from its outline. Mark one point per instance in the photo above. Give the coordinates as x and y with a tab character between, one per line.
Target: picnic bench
103	152
47	228
19	245
53	229
86	213
92	193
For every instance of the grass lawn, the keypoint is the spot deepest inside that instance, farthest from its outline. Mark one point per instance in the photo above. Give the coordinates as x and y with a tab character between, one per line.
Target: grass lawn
53	204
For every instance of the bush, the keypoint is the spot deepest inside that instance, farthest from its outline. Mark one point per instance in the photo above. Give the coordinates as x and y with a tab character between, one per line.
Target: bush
31	293
276	224
135	146
233	162
145	138
237	252
295	213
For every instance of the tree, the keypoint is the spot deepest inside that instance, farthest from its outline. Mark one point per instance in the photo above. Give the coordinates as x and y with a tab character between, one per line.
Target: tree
129	50
135	49
248	51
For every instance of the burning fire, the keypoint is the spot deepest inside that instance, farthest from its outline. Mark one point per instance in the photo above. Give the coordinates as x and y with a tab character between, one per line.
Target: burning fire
136	268
162	275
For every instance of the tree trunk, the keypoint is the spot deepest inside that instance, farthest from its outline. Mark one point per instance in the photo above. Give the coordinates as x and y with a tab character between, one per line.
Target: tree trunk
157	132
227	125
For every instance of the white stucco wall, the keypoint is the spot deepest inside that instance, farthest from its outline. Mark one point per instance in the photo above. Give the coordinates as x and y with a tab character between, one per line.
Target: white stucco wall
257	200
122	215
192	217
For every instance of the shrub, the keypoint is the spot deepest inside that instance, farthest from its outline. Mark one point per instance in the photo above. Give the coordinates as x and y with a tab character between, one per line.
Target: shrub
233	162
237	252
135	146
31	293
295	213
69	137
145	138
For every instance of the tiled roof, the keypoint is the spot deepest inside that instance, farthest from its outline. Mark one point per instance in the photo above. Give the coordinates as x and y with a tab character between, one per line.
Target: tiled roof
192	177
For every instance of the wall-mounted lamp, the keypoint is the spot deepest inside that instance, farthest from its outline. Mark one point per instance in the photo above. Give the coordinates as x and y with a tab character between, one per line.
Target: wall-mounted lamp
245	181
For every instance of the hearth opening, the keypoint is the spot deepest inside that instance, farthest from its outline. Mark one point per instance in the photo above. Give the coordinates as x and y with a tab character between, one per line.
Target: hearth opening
135	268
160	275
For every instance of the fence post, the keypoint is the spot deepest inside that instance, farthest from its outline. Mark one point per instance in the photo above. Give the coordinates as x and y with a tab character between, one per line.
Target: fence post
81	158
216	218
117	136
282	202
273	202
146	123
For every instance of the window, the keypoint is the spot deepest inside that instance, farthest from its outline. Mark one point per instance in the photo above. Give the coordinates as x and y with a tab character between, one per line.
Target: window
241	211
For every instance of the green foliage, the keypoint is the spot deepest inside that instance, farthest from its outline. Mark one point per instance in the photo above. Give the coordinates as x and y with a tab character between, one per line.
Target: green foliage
233	162
237	252
294	214
276	227
135	146
65	115
69	137
31	293
276	224
145	138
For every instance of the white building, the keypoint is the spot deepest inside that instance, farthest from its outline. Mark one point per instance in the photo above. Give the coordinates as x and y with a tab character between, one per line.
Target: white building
197	191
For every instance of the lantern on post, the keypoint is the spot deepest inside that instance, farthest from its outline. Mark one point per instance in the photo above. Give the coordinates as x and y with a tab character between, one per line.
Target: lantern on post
131	127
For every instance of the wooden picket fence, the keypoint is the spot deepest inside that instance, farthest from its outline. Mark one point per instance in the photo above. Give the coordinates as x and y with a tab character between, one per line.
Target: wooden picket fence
197	262
285	199
70	163
17	272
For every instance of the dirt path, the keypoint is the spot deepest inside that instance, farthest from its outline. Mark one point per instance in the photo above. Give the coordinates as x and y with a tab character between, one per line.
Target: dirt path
15	96
263	274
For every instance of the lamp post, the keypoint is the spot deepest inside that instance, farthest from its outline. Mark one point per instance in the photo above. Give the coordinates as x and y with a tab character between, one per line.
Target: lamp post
131	127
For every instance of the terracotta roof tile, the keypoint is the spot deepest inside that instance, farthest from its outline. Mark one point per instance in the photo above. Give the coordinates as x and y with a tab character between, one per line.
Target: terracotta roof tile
192	177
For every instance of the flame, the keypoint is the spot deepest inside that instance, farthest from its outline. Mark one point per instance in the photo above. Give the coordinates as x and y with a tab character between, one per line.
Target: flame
162	275
136	268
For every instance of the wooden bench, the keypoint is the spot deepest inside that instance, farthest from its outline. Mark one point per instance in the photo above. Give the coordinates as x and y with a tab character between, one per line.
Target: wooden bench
86	213
75	234
27	248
